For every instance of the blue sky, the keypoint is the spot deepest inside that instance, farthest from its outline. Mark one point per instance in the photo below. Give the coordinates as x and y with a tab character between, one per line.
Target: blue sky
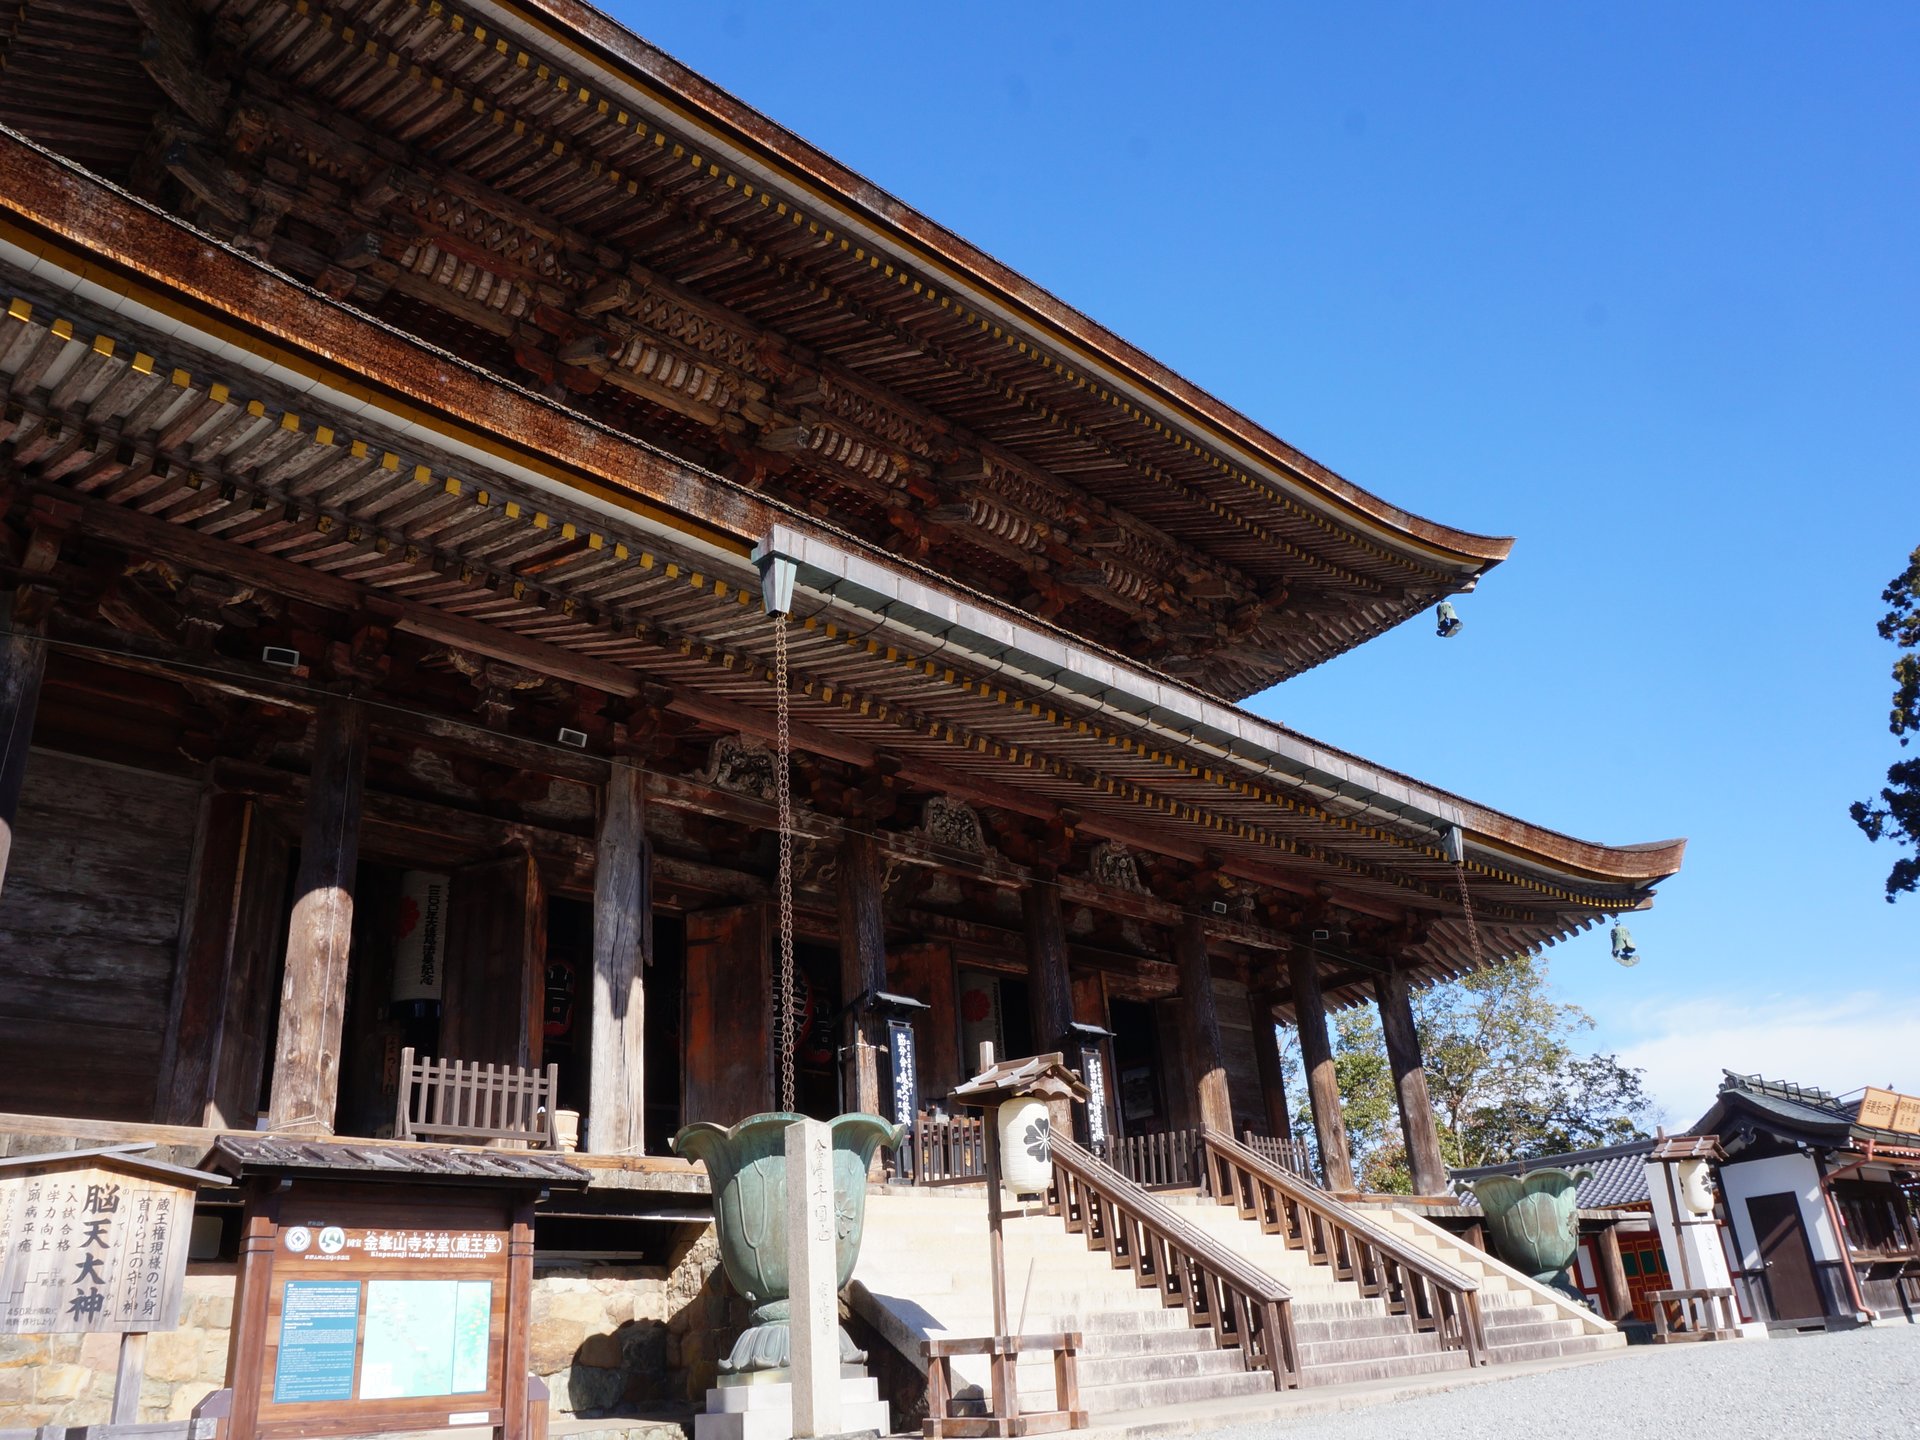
1636	286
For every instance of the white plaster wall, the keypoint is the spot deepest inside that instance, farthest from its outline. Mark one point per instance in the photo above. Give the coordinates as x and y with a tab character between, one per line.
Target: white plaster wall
1795	1173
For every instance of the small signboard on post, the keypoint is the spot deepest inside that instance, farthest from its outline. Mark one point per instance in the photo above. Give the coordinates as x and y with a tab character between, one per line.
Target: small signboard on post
96	1240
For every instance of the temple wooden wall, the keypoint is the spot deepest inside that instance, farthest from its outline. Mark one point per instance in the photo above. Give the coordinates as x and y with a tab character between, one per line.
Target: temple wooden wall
89	931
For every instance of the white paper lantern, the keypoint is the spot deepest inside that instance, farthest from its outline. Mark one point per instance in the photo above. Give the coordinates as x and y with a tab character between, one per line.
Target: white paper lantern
1026	1146
1696	1186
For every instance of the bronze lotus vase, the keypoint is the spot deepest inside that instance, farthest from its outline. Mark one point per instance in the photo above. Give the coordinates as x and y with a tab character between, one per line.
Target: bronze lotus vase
1534	1221
747	1171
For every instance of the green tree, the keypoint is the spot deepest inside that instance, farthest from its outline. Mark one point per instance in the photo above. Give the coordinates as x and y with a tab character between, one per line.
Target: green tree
1896	815
1505	1075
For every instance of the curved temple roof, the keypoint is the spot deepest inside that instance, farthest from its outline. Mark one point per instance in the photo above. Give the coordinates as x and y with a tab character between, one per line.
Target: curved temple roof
526	183
1012	712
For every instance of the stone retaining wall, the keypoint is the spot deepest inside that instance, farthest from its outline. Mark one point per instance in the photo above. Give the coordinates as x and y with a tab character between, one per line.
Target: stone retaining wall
606	1339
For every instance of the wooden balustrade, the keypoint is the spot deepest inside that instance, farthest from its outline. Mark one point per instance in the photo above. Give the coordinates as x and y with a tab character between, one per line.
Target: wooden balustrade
1430	1293
945	1150
1163	1159
1245	1307
1292	1155
464	1100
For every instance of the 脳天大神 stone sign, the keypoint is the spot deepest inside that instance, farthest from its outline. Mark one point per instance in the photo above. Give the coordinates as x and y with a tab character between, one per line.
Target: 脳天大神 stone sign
93	1241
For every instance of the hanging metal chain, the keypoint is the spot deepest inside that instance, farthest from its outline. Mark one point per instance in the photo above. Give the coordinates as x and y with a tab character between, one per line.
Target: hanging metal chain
784	1007
1466	904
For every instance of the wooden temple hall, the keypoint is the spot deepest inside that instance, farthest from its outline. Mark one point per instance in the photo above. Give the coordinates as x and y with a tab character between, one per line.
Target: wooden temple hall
405	403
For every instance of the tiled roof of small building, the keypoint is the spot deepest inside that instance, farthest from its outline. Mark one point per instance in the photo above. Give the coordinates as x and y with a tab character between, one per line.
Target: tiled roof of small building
1618	1178
1804	1108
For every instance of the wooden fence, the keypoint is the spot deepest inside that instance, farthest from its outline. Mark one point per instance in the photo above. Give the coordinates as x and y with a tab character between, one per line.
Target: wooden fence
945	1150
464	1100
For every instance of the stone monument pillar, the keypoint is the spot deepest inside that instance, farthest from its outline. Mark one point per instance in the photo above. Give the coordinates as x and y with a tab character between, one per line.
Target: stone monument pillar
813	1280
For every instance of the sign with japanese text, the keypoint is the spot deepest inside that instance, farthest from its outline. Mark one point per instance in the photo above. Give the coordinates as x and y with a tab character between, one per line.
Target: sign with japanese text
91	1249
905	1071
1093	1071
362	1313
420	928
1889	1110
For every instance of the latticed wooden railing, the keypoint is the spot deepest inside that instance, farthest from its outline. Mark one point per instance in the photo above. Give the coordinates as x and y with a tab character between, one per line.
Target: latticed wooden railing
1246	1308
1171	1158
1429	1292
1294	1156
945	1149
464	1100
1163	1158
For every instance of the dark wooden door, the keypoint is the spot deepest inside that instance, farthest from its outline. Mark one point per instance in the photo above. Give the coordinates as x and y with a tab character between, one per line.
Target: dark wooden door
495	980
1785	1255
729	1049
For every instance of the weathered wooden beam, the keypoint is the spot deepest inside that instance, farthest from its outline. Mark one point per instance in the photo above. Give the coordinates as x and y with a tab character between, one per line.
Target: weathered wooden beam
313	997
1050	988
23	661
1266	1055
622	948
863	964
172	54
1429	1167
197	1008
1316	1058
1199	1026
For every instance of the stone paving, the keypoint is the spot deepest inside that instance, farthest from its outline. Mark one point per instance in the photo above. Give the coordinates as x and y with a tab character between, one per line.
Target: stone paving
1855	1385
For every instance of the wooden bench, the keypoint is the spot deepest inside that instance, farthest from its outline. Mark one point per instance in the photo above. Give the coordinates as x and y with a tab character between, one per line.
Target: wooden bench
1707	1313
464	1100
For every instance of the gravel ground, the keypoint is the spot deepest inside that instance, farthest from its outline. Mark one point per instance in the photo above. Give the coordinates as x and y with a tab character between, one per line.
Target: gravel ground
1856	1385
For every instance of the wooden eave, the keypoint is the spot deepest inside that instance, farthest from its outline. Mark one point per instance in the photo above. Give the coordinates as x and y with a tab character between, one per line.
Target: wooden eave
590	133
336	470
619	54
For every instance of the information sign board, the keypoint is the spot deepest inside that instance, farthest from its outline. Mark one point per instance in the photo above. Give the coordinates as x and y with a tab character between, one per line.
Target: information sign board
1889	1110
91	1248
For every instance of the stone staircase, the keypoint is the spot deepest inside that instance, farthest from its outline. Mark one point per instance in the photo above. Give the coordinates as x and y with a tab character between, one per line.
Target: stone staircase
1346	1337
924	1272
1524	1320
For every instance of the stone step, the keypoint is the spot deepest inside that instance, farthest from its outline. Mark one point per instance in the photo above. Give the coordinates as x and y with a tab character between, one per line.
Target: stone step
1552	1349
1344	1348
1359	1327
1137	1369
978	1320
1356	1371
1101	1344
1527	1332
1142	1395
1361	1307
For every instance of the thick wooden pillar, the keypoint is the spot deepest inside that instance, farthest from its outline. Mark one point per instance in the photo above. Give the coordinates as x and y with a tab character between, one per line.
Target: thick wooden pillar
1316	1057
1266	1054
313	996
1394	993
622	948
1200	1029
1615	1294
23	658
1049	987
202	988
863	966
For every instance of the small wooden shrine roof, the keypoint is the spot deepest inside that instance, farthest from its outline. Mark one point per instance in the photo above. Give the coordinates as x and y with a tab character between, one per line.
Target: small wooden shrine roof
1046	1075
246	1155
1797	1113
180	398
130	1157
